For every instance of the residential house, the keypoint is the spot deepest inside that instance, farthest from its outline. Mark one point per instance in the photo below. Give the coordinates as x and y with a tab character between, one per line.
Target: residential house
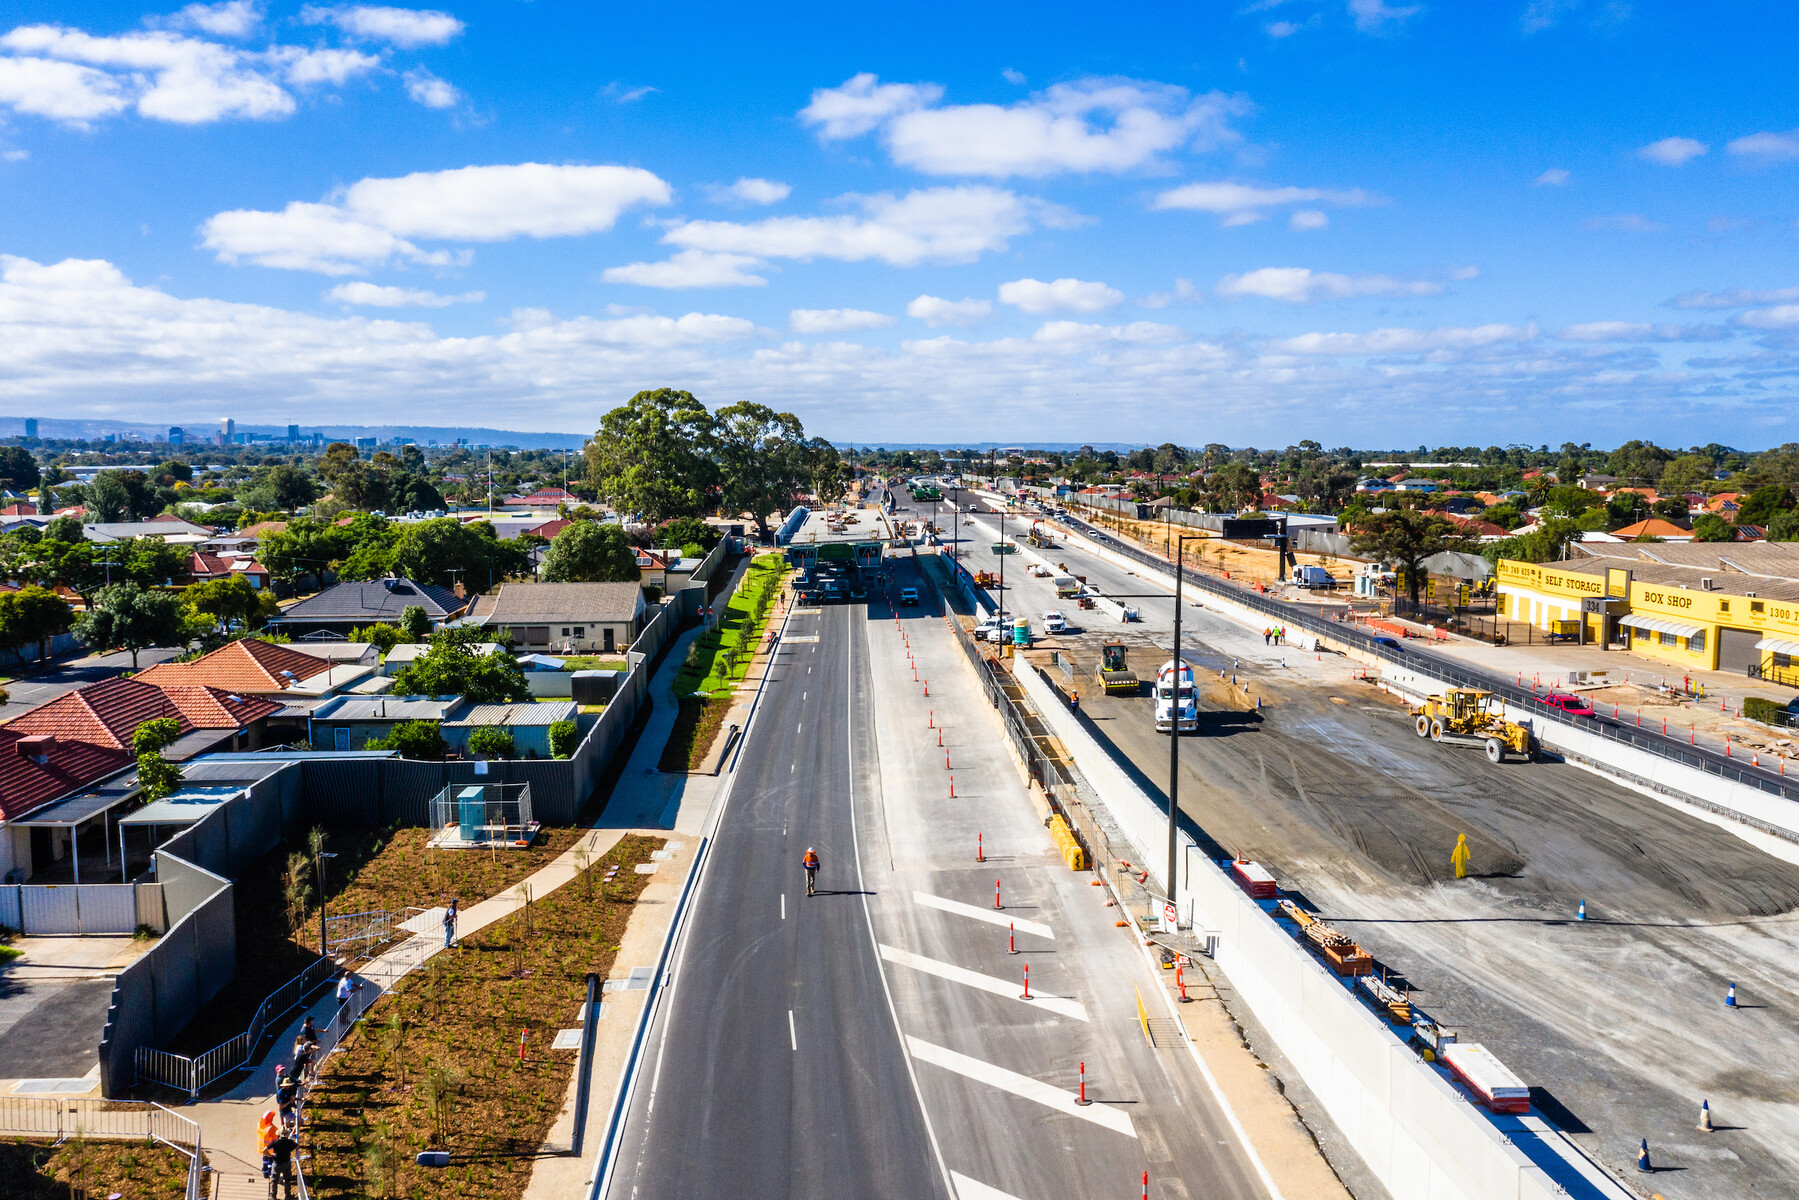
362	654
173	530
343	607
35	770
108	714
348	722
206	567
252	667
1654	527
406	653
529	725
1595	482
581	618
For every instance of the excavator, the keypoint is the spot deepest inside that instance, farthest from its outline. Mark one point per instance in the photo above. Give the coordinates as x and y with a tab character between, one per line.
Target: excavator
1467	717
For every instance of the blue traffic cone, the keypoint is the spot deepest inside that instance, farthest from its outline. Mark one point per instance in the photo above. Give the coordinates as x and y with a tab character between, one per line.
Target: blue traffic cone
1730	996
1643	1157
1582	914
1705	1117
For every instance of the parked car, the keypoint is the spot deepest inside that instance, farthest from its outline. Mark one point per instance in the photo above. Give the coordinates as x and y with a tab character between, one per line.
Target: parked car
1574	706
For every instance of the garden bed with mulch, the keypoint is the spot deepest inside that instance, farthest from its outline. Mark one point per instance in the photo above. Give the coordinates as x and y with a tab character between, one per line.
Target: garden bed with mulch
696	726
374	869
133	1170
436	1064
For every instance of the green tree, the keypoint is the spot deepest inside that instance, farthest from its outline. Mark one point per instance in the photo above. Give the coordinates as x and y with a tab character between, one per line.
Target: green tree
684	531
1759	506
444	552
305	549
1547	542
1685	474
765	461
64	529
591	552
129	618
415	623
1570	500
106	498
452	668
491	741
564	737
1710	527
651	456
1237	487
30	617
18	469
381	635
227	601
1639	462
421	740
157	777
1406	537
282	488
1784	527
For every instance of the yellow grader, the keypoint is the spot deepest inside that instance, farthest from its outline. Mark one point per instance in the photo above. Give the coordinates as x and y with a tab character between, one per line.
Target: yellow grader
1466	717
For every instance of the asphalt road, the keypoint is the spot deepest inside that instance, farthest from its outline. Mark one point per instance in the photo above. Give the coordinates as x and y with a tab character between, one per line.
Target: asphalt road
873	1040
1618	1020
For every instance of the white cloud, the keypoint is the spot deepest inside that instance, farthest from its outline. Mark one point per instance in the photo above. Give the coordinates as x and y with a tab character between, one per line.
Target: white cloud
232	19
836	320
1775	147
1553	177
62	91
1307	219
1182	292
1075	335
406	28
1673	151
1373	16
938	312
168	77
1286	29
1061	295
429	90
1785	316
1090	125
377	296
862	103
1015	78
690	269
369	222
1240	203
325	65
1463	274
1735	298
1301	285
751	191
1630	331
946	225
1402	341
625	94
1624	223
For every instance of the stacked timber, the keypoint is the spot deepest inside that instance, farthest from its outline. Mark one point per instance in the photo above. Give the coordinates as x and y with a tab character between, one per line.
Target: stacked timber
1340	950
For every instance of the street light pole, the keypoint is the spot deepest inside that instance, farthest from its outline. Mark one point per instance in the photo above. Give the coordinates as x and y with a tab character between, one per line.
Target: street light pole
1174	724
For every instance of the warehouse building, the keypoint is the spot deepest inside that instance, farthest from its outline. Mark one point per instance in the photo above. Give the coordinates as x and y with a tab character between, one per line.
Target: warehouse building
1706	606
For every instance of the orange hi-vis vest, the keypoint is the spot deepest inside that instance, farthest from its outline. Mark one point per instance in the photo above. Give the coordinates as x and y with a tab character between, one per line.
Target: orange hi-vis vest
811	860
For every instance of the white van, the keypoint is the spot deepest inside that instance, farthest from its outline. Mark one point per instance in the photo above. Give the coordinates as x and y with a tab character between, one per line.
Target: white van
1055	622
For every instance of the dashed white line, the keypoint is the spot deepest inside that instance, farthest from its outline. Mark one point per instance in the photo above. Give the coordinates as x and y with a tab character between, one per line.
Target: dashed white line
783	906
1012	989
793	1039
1045	1094
992	916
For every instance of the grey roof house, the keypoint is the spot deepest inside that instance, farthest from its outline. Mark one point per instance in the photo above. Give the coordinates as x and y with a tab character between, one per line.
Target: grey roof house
348	722
342	607
574	618
529	724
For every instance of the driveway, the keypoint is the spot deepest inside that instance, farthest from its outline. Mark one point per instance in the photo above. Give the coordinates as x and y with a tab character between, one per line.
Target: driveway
53	1003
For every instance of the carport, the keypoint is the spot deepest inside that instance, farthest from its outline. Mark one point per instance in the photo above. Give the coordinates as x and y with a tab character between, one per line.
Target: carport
185	807
74	812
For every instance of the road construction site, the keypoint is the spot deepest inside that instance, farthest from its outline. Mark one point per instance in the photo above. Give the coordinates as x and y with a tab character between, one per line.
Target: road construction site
1617	1022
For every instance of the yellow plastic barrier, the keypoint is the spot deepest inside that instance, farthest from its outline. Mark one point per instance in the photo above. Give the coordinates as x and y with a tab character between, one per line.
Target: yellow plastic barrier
1071	850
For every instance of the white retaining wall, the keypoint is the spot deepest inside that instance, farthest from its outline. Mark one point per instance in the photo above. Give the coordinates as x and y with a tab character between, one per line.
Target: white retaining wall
1413	1130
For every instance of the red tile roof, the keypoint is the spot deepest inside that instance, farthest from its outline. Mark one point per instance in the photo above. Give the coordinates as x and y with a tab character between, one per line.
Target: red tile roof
19	510
203	566
1653	527
104	714
26	784
248	665
262	529
216	708
549	529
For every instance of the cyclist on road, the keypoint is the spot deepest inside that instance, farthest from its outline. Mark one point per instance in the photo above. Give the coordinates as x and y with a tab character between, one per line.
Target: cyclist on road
810	862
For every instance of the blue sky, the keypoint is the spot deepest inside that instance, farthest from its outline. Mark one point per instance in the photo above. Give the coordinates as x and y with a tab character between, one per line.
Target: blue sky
1357	221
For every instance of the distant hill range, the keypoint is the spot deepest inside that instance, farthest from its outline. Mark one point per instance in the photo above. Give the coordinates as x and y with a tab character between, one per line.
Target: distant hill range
50	427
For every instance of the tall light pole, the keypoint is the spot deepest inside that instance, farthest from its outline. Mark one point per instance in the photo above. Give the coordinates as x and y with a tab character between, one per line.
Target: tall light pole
1174	724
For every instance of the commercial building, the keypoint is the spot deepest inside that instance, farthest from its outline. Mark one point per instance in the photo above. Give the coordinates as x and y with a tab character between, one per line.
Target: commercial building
1707	606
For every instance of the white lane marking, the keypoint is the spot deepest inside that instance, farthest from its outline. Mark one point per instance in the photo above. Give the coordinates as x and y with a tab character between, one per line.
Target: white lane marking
992	916
1045	1094
974	1189
1012	989
802	726
803	695
783	906
793	1039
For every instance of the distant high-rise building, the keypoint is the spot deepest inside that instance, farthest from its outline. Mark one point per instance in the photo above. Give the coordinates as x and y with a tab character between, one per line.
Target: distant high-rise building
293	433
366	443
227	431
177	435
30	427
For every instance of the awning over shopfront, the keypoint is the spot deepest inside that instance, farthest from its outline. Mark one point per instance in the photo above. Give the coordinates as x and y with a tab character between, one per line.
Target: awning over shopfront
1662	625
1778	646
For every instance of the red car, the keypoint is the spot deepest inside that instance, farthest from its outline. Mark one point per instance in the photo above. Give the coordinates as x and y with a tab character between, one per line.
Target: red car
1574	706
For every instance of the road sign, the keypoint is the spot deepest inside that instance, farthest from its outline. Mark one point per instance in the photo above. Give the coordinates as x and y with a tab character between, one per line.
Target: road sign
1171	918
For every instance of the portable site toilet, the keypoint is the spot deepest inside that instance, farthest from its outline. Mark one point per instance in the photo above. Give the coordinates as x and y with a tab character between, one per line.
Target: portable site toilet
471	813
1021	632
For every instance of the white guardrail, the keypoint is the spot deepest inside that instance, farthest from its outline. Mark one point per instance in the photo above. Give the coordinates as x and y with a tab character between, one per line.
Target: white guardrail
1420	1136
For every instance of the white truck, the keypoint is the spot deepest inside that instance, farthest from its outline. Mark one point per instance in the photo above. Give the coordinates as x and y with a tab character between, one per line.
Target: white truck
1167	685
1313	577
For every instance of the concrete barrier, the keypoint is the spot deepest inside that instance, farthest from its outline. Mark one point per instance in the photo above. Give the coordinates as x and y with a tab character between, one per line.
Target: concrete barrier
1419	1135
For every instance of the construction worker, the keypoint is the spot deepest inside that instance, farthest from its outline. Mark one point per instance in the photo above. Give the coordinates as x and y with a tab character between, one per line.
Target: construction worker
1074	703
810	862
268	1128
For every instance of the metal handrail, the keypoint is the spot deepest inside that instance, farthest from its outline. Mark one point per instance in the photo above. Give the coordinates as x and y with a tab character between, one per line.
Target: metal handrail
1708	761
192	1074
65	1118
